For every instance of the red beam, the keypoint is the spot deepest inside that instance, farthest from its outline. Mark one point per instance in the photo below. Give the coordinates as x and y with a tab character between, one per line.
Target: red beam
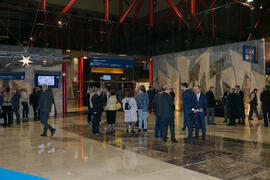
106	9
127	11
151	13
43	5
80	79
175	9
69	6
138	8
242	4
192	7
199	25
212	4
150	71
171	15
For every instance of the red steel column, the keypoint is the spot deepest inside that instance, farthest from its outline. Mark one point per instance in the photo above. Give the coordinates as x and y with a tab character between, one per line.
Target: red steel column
151	13
178	13
43	5
80	81
106	9
151	71
192	7
127	11
64	87
69	5
120	8
138	8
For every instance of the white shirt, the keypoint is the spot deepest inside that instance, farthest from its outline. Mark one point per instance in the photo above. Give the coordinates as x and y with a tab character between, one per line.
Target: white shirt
198	96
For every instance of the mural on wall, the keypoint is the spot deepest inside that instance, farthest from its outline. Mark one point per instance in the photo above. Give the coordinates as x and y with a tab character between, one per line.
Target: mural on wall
219	66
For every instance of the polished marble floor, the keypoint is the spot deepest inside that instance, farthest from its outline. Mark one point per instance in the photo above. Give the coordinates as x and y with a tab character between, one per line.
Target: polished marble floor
241	152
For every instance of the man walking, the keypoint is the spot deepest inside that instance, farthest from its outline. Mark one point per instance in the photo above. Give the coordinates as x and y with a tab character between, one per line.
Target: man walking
166	113
44	107
189	102
240	105
225	102
265	99
201	104
253	104
211	104
97	111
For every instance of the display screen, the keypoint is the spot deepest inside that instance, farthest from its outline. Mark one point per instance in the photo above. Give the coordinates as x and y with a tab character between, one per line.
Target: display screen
49	80
107	77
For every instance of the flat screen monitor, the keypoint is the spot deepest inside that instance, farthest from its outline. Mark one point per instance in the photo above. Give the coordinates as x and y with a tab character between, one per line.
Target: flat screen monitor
49	80
107	77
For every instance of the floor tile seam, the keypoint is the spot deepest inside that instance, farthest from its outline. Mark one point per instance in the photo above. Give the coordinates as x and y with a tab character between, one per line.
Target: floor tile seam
207	160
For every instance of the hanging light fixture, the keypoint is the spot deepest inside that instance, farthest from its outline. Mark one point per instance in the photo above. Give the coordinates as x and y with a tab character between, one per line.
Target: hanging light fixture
26	61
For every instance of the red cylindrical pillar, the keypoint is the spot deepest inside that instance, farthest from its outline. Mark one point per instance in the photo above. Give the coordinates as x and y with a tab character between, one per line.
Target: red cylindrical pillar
43	5
80	81
64	87
151	13
192	7
106	9
151	71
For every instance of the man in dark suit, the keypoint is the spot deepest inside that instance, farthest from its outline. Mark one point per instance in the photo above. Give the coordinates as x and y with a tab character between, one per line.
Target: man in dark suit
189	102
226	104
158	132
201	104
211	104
265	99
166	113
232	107
44	107
97	111
240	105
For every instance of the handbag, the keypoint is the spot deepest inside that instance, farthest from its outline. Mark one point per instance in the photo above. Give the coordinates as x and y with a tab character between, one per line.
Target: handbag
118	106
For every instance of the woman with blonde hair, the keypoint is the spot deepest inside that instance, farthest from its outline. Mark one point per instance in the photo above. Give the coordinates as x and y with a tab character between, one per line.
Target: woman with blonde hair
111	112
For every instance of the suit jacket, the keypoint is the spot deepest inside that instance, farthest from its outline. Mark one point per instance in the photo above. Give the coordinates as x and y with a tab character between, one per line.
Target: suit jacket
211	99
97	104
225	98
45	101
202	103
240	99
165	106
189	100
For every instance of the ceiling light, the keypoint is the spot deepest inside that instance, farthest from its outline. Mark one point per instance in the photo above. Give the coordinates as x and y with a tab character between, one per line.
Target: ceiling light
59	22
68	50
249	1
85	57
44	61
261	7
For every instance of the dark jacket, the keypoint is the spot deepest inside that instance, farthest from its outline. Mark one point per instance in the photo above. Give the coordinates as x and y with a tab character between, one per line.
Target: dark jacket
225	98
45	101
156	102
265	99
34	96
254	101
202	103
166	106
240	99
189	100
211	102
97	104
232	106
15	100
142	102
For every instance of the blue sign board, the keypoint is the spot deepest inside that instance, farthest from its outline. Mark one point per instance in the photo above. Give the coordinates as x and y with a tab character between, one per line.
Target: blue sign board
250	54
12	76
111	63
267	68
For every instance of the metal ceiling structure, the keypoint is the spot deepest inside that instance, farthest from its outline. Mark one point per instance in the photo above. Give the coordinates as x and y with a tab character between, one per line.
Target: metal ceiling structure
176	25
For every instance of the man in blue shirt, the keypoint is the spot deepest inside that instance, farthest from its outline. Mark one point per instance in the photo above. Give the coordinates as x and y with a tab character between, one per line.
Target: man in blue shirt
201	104
189	102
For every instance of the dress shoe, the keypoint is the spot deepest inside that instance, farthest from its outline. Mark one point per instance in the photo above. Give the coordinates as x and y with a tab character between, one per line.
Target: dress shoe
164	140
189	141
43	135
52	132
145	130
174	141
183	129
139	130
196	137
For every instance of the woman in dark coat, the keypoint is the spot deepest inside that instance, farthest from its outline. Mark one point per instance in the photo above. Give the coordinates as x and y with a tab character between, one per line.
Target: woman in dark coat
232	107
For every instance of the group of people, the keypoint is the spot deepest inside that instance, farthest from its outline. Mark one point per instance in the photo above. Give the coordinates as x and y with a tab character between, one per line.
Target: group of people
40	99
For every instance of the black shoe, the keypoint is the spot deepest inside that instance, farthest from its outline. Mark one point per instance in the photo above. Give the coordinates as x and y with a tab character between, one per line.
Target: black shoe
231	125
203	138
250	119
174	141
266	125
53	131
183	129
43	135
139	130
145	130
157	137
189	141
164	140
196	137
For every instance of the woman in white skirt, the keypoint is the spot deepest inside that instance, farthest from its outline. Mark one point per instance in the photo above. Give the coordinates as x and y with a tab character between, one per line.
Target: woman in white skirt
130	109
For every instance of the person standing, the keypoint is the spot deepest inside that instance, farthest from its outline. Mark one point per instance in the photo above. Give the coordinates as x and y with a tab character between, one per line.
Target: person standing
189	102
111	112
90	108
44	107
130	109
240	105
226	104
142	104
166	114
253	102
15	100
34	102
7	107
201	104
232	107
172	94
151	95
211	104
97	111
158	132
265	99
24	100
